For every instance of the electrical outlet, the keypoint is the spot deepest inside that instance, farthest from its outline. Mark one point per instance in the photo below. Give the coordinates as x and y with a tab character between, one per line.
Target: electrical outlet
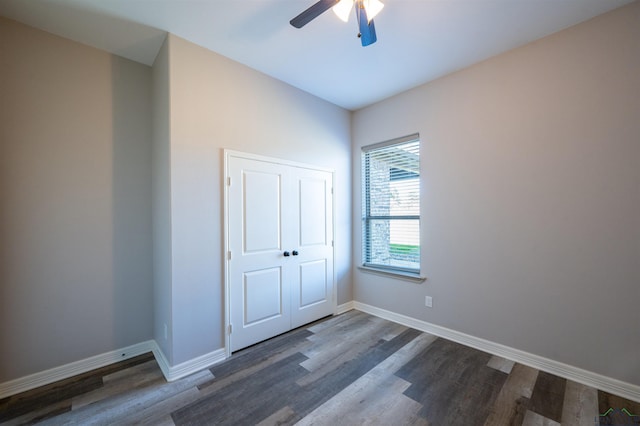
428	301
166	332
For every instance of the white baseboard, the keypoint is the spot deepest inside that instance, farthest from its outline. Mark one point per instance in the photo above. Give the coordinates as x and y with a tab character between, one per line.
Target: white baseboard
607	384
171	373
345	307
46	377
186	368
62	372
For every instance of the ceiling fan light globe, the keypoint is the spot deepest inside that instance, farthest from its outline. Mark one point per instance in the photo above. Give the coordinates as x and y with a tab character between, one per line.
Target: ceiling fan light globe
343	9
372	8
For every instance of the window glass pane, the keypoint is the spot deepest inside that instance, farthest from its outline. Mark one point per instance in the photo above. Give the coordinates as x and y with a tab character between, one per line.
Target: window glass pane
391	195
405	197
394	243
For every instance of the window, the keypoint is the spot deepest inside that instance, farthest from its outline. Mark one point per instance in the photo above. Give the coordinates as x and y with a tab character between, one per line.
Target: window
391	205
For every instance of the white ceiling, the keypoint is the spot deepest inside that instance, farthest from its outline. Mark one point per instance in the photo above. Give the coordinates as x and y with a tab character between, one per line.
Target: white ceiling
418	40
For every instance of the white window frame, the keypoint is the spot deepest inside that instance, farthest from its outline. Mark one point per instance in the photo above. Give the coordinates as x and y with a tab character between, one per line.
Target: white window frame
413	274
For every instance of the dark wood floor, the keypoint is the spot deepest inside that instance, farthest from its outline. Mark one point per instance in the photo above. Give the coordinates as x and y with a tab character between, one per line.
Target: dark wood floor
350	369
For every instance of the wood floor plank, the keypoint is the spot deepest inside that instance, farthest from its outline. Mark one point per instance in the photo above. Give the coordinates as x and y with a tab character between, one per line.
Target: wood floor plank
117	408
383	405
335	352
501	364
256	397
167	399
161	412
580	405
335	321
365	371
548	396
329	352
394	331
466	405
105	411
119	382
354	354
285	415
535	419
326	346
377	394
24	404
41	414
164	421
218	383
259	353
318	392
453	383
512	402
455	362
54	393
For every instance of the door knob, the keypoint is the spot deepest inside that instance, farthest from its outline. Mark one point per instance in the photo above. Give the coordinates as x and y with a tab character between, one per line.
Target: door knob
285	254
295	252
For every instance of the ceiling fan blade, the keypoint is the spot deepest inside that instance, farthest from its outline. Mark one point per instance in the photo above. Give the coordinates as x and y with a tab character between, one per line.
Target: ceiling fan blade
367	30
313	12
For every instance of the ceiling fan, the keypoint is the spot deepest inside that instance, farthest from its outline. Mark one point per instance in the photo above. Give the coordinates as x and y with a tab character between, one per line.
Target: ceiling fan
366	10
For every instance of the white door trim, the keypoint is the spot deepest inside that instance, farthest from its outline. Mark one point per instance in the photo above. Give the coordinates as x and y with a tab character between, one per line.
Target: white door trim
228	153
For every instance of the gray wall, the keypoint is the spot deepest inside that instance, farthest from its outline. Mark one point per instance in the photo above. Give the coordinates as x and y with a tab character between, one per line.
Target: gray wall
215	104
111	192
531	197
161	195
75	188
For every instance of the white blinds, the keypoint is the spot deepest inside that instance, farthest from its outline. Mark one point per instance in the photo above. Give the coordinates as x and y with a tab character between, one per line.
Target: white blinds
391	204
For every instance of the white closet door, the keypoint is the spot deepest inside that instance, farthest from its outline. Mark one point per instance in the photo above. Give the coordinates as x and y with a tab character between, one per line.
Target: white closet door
260	293
312	283
280	230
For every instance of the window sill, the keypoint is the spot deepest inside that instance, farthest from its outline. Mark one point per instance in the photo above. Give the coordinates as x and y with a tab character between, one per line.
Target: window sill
407	276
